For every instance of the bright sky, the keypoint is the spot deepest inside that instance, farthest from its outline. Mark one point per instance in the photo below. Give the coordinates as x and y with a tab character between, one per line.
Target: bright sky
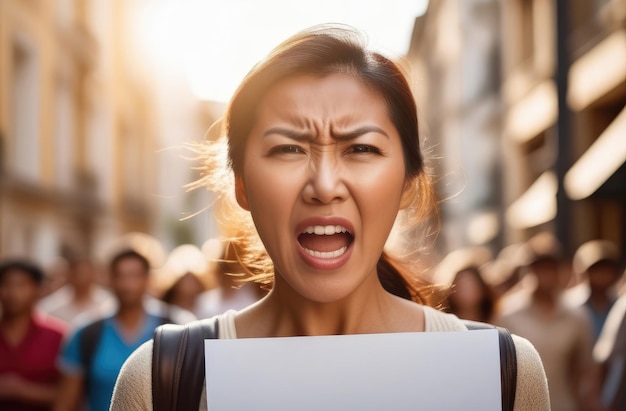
215	43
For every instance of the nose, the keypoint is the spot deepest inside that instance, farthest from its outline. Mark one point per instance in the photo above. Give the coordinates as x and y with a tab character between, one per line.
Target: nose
325	183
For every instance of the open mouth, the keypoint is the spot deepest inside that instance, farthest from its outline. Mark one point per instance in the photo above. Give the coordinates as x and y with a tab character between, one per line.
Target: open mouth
325	241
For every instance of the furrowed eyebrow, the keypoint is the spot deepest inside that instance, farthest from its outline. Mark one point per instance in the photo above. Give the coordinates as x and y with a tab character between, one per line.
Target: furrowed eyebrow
287	133
349	135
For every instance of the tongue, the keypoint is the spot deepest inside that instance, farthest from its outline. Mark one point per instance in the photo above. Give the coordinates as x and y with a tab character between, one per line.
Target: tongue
324	243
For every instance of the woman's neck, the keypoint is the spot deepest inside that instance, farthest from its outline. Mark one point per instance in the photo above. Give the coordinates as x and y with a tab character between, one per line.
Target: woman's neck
130	320
282	314
82	294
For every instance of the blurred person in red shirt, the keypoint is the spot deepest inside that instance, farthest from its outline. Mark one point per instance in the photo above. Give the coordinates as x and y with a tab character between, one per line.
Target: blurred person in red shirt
29	343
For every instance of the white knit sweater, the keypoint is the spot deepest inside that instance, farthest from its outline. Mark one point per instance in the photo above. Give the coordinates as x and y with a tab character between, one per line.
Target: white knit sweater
133	390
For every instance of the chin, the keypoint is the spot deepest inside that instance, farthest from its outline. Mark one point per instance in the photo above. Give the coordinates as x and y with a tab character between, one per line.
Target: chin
327	295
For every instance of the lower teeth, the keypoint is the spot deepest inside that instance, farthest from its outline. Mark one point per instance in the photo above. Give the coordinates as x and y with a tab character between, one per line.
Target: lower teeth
326	254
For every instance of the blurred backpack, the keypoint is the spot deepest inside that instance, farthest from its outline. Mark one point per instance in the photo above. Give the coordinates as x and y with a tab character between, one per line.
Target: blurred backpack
178	361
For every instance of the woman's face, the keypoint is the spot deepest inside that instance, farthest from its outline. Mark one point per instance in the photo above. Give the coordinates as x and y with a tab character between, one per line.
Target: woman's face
18	292
468	291
323	178
129	281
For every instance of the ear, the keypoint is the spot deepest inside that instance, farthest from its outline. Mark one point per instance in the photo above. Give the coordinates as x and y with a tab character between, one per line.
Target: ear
240	193
409	193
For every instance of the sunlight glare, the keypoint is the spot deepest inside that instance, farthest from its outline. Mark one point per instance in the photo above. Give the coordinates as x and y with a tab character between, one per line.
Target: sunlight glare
215	44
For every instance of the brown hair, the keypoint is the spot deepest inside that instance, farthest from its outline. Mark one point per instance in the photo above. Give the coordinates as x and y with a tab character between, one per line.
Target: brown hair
320	51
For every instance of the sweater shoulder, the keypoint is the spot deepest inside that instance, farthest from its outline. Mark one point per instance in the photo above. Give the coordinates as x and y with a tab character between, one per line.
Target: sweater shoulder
436	321
532	385
133	389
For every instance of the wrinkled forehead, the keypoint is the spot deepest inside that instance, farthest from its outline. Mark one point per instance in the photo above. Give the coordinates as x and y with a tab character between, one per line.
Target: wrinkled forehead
309	101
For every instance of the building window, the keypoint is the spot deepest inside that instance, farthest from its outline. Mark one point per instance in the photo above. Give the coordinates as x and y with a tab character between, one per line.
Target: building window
64	134
132	167
99	149
25	114
527	24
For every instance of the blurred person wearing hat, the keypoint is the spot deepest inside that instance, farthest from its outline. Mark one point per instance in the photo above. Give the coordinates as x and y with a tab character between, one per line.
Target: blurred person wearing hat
184	277
562	334
231	293
596	264
29	341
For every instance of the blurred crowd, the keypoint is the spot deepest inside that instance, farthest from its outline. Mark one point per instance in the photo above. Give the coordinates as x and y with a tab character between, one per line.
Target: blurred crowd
571	309
66	330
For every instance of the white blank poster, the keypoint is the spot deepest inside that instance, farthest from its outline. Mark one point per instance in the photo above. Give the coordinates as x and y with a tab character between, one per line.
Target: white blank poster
401	371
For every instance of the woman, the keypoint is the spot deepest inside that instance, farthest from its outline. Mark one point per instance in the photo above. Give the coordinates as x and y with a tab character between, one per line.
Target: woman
185	275
231	292
471	297
323	144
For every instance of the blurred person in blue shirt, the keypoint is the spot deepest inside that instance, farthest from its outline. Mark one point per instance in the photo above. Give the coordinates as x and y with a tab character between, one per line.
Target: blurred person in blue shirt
93	355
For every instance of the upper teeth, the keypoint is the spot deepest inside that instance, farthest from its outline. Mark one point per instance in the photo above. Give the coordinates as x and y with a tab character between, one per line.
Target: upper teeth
325	229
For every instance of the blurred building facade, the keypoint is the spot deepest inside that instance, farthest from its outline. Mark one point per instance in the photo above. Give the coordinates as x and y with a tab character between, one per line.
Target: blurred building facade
592	151
454	56
486	76
79	129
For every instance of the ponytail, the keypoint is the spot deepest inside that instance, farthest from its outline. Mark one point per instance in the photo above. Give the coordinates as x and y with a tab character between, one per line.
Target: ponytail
397	279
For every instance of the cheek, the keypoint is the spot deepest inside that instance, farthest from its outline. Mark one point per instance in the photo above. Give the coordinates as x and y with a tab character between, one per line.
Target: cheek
271	193
19	294
468	292
380	190
4	291
140	285
127	285
188	286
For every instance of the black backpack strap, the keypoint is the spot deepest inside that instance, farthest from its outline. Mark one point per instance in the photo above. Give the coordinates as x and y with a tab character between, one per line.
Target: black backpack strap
89	338
178	361
508	362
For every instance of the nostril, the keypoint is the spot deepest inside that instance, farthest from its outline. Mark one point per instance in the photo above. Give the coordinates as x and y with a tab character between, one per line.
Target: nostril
326	190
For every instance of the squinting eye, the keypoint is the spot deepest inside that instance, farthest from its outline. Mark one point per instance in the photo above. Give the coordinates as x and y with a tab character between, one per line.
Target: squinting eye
364	149
287	149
